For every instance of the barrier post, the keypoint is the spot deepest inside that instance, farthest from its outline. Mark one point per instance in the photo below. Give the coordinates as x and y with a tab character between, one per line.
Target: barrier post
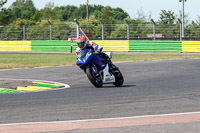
102	29
154	29
50	30
128	29
71	45
180	29
24	30
77	27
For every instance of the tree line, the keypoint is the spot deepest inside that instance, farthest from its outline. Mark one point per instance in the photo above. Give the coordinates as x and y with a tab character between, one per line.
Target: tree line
26	11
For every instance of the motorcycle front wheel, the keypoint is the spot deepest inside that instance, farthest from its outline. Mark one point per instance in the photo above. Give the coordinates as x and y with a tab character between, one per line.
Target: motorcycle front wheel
96	80
119	79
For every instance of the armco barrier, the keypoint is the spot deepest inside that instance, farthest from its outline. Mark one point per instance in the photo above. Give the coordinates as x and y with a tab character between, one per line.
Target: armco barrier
191	46
66	45
53	45
155	46
114	45
15	45
108	45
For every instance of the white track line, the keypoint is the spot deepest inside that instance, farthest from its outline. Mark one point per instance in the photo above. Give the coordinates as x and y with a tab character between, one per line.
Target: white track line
103	119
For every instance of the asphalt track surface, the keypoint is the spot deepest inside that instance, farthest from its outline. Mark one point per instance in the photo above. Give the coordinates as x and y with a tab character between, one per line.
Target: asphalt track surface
150	88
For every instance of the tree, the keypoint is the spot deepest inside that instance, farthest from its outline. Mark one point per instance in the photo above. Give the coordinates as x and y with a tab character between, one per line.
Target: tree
23	9
120	14
29	3
18	3
47	12
141	16
2	2
167	17
67	13
107	15
95	11
37	16
22	3
19	20
198	21
82	13
5	16
186	17
27	12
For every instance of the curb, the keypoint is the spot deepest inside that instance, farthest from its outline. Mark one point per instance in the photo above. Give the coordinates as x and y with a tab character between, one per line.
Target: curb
37	85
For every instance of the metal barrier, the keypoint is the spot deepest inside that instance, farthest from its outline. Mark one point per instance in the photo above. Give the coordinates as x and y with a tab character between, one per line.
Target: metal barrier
99	31
108	45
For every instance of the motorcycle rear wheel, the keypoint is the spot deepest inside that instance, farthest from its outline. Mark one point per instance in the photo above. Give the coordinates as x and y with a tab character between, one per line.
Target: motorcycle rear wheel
95	80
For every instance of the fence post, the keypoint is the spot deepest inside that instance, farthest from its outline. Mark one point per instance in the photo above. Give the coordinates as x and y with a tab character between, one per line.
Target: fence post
154	29
180	29
71	45
50	30
128	29
77	27
102	29
24	30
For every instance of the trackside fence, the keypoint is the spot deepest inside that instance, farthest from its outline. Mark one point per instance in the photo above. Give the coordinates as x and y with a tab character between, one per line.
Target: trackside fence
99	32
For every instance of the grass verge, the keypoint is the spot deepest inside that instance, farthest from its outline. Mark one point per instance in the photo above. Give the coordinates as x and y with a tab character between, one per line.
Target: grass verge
9	61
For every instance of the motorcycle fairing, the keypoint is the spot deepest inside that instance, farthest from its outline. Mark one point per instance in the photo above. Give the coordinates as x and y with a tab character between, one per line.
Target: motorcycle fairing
87	58
107	77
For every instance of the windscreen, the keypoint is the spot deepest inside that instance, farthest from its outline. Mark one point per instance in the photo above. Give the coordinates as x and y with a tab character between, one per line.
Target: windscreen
83	53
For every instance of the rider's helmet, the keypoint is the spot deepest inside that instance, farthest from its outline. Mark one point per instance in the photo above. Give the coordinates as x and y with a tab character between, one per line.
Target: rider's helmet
81	41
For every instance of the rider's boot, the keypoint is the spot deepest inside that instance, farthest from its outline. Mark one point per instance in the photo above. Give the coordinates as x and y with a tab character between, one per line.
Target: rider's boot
110	64
112	67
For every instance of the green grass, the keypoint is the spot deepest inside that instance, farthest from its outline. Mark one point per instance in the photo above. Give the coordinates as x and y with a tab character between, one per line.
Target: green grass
150	57
9	61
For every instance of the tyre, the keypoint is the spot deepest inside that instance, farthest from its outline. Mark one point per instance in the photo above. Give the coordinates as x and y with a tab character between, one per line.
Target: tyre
119	79
94	79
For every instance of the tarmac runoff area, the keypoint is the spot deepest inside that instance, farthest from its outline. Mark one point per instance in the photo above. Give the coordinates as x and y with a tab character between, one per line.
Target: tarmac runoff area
98	124
22	86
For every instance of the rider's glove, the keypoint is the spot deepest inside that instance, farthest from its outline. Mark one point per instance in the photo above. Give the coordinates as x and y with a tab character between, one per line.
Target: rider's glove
97	52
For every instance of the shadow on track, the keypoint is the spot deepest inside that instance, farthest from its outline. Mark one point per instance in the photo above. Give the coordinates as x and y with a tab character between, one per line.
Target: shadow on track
111	86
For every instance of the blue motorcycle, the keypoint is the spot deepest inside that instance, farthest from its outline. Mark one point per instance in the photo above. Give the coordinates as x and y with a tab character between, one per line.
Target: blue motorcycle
97	69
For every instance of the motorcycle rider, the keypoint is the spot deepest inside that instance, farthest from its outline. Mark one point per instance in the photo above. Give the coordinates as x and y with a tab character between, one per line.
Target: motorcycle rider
83	43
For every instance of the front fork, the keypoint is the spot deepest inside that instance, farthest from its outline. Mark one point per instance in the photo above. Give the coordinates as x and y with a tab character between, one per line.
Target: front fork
94	69
97	74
